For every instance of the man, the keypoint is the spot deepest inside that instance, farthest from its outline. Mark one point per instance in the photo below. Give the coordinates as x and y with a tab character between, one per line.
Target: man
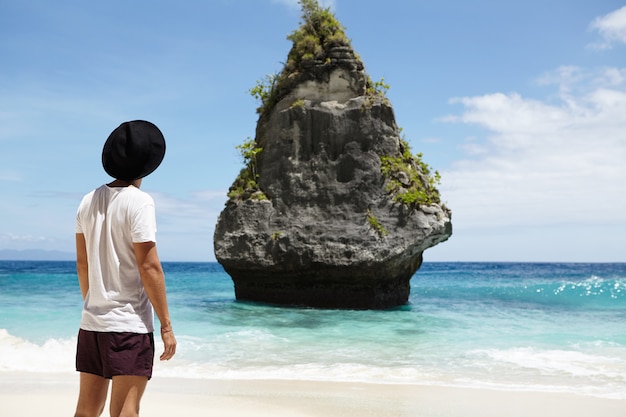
120	276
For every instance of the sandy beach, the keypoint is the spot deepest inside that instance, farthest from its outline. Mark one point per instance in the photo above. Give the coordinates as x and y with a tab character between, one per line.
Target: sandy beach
54	395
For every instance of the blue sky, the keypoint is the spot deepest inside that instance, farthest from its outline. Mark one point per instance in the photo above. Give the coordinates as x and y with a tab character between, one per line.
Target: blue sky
521	106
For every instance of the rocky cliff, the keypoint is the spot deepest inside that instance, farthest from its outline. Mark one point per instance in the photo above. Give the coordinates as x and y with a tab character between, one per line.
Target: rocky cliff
335	211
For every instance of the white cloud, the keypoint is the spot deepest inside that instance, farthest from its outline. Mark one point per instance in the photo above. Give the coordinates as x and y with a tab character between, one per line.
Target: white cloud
26	241
190	214
186	224
10	176
21	238
544	161
612	27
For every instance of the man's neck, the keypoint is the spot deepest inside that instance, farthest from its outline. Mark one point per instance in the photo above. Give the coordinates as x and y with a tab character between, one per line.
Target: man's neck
124	183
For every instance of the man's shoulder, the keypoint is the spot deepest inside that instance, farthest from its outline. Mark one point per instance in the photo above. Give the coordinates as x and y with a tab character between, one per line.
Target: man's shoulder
89	196
138	195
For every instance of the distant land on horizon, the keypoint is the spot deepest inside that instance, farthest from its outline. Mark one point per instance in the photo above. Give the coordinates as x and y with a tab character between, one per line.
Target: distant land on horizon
47	255
55	255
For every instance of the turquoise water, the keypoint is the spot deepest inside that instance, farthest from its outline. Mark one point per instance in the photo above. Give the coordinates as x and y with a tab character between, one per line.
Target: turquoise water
516	326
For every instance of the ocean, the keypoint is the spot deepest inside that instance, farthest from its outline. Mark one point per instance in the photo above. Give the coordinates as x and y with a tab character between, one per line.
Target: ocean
557	327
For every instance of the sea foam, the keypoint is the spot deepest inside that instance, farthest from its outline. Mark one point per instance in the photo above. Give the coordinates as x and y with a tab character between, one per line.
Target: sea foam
54	355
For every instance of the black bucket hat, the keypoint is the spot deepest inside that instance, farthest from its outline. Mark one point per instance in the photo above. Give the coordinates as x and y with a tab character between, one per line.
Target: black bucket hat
133	150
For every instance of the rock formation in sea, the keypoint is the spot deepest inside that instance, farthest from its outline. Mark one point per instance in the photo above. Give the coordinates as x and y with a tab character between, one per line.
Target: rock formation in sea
332	210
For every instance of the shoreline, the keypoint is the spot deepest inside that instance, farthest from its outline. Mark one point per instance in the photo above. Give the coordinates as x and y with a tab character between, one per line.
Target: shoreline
54	395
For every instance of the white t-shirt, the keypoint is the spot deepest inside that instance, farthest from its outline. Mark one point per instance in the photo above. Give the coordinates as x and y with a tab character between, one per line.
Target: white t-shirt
112	219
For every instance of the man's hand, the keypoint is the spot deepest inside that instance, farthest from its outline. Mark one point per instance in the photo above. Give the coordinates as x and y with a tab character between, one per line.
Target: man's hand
169	343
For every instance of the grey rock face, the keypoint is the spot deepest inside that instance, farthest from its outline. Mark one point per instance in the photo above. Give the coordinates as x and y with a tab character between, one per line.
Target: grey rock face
313	242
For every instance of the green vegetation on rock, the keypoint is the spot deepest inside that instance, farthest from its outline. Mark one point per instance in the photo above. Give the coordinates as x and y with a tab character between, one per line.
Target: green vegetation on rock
297	104
246	185
410	179
373	90
375	224
318	33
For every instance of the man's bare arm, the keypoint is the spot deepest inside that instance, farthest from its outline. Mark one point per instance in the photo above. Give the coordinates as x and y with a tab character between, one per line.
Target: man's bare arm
153	280
82	267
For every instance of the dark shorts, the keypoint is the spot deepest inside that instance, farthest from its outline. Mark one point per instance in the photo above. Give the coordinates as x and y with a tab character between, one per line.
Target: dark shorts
115	354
